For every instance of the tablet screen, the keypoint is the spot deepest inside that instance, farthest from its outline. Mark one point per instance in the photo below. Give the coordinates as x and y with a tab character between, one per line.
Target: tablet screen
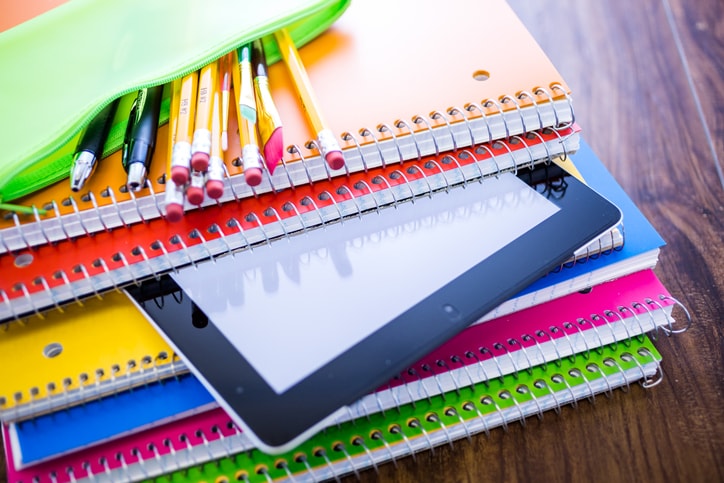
288	333
315	295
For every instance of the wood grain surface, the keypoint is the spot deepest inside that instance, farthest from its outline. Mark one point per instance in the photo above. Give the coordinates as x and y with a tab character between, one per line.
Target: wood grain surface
635	99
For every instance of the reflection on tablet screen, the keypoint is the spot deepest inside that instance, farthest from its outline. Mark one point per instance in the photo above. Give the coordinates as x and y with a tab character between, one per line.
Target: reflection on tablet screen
317	294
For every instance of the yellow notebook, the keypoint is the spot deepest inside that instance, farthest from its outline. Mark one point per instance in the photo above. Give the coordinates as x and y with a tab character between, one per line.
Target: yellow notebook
83	352
453	75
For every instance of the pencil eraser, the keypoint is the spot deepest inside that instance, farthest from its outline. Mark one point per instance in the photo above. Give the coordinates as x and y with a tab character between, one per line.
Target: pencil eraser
335	159
200	162
174	212
252	176
195	195
180	175
214	188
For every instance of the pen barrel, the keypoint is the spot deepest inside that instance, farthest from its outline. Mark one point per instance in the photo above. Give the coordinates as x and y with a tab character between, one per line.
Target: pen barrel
149	112
138	151
94	137
142	140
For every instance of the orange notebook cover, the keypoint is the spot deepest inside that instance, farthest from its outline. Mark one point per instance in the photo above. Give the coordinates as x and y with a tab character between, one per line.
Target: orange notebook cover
453	75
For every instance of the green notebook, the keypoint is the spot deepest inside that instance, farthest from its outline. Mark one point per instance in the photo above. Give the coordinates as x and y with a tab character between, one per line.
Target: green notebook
387	436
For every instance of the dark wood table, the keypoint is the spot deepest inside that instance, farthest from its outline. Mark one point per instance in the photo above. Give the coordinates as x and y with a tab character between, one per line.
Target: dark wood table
634	98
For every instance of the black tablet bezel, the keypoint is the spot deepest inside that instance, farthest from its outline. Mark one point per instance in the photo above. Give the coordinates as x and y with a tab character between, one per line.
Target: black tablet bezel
278	422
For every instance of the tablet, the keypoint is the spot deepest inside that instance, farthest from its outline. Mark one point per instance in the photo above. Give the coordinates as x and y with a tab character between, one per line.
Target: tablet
286	334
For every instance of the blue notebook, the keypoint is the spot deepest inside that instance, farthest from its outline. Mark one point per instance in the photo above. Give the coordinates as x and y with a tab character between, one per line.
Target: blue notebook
100	421
123	413
640	238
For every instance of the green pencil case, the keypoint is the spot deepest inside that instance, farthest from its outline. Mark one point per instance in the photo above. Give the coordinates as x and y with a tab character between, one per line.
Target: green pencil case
61	68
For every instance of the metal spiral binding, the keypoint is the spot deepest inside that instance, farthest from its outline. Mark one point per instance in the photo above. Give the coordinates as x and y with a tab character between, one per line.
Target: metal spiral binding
136	373
440	426
558	87
157	263
593	367
359	441
434	418
134	274
525	390
670	330
461	133
527	95
566	340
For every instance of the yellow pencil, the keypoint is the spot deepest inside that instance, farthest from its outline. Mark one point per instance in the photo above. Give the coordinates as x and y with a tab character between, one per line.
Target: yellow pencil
251	159
225	76
215	174
174	198
201	145
328	146
181	158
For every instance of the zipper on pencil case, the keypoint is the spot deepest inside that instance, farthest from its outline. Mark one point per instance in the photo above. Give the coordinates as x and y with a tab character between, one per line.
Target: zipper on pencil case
304	29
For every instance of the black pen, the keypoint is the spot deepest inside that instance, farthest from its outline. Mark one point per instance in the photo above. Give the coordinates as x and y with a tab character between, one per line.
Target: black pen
90	147
140	138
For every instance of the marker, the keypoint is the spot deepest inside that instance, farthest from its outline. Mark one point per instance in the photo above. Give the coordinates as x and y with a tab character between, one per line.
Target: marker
268	120
181	158
225	75
201	145
328	146
174	195
141	136
90	147
251	159
215	174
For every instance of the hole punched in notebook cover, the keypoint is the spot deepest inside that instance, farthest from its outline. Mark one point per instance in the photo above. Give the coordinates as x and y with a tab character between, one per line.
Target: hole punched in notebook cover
285	334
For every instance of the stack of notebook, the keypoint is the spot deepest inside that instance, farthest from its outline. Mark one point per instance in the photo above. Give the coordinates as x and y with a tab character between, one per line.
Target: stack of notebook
92	390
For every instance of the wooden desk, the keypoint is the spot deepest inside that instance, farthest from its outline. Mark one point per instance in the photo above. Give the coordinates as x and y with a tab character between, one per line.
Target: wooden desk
637	112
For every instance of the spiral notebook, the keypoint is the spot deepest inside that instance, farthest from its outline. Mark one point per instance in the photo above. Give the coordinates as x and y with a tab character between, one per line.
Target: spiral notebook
208	446
378	101
52	274
614	311
127	361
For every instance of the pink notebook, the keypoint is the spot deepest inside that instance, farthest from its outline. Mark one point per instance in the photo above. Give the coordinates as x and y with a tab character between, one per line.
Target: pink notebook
610	312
